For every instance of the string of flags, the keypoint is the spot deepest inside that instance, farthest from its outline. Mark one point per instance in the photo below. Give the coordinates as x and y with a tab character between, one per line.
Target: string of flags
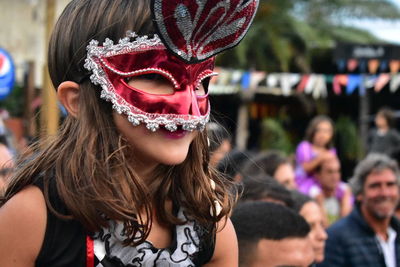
371	66
231	81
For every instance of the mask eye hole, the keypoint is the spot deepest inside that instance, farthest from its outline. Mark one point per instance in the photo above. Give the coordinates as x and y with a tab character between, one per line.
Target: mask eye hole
202	89
152	83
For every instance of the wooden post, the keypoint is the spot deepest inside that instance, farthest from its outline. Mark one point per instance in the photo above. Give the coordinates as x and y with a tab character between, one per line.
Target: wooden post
30	125
49	111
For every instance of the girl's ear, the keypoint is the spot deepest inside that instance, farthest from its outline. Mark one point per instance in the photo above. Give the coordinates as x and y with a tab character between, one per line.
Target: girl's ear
68	95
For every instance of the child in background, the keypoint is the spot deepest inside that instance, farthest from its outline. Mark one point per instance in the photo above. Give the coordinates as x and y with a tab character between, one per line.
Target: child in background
310	153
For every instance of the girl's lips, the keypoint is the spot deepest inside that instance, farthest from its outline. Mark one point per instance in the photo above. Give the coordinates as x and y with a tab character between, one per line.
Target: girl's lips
178	134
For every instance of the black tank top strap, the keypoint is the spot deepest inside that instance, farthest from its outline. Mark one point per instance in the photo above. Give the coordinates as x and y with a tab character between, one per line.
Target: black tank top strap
65	239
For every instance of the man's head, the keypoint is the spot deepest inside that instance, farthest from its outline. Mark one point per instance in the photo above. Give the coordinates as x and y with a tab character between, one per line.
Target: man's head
262	187
328	174
271	235
376	186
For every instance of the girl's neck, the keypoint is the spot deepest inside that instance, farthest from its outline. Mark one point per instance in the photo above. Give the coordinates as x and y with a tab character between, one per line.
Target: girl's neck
145	170
318	147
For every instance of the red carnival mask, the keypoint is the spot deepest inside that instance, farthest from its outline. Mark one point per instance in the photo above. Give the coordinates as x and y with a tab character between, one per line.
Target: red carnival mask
191	33
113	64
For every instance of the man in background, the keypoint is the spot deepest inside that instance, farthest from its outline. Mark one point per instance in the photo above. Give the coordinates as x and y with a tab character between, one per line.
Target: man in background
271	235
369	236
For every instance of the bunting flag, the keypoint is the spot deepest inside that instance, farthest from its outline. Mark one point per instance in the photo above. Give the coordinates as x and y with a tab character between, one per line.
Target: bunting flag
382	80
316	85
354	81
223	76
362	89
236	77
362	66
339	80
352	64
373	66
310	84
369	81
303	83
394	83
383	66
320	90
287	81
255	78
336	85
246	80
272	80
341	64
394	66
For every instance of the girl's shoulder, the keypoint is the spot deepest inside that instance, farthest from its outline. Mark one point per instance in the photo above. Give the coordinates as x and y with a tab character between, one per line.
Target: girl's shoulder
304	147
24	213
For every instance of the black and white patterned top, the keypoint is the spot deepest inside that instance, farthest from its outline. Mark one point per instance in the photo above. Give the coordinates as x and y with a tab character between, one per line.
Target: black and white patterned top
65	243
108	247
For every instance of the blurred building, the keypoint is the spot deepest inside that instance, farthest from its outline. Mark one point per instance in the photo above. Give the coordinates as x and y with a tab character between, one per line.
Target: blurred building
22	33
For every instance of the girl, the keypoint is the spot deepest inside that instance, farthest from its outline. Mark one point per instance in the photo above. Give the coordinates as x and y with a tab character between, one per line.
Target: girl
310	153
126	181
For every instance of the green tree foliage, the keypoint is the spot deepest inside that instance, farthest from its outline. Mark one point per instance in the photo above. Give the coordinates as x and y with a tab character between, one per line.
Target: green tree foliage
274	137
13	103
285	32
348	141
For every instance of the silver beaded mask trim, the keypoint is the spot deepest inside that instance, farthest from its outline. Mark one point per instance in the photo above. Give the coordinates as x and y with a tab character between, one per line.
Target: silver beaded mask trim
95	64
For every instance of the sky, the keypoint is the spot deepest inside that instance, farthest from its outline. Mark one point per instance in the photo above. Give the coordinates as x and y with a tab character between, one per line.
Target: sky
388	31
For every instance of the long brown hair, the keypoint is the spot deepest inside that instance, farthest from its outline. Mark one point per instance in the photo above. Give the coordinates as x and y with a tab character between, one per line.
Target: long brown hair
88	161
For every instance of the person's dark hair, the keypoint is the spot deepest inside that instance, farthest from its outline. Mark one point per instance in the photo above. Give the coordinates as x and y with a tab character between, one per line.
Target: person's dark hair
216	134
3	140
263	187
89	160
318	169
299	200
233	163
254	221
267	162
372	163
388	115
312	129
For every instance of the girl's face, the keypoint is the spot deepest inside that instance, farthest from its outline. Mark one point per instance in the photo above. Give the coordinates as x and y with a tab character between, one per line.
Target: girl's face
153	148
161	146
313	215
323	134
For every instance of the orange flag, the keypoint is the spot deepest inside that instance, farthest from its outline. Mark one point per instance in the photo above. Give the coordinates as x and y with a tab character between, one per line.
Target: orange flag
373	66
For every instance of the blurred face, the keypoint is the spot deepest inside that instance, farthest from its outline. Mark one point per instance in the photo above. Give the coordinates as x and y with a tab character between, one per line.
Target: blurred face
313	215
284	174
329	175
380	121
217	155
323	134
294	252
380	194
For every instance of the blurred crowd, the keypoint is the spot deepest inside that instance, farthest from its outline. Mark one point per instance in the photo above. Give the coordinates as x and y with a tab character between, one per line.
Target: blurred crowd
297	210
